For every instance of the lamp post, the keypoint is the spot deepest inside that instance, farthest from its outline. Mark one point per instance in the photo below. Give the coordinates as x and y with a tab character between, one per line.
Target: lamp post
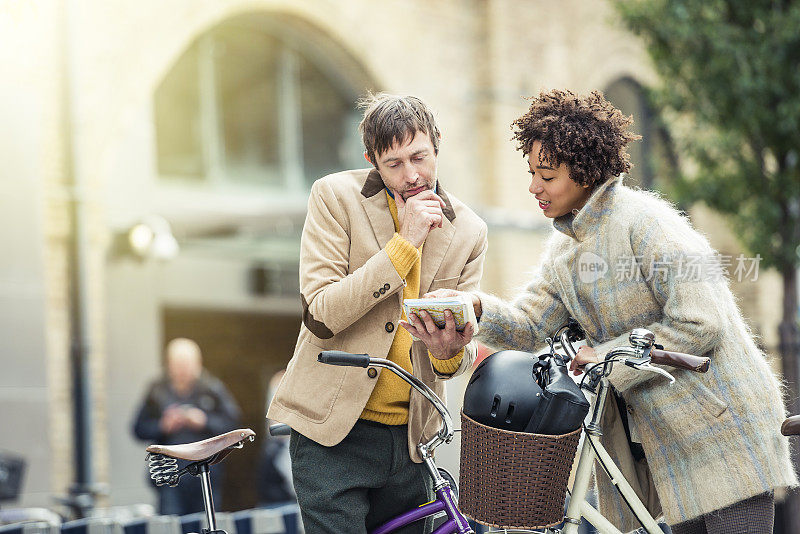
82	491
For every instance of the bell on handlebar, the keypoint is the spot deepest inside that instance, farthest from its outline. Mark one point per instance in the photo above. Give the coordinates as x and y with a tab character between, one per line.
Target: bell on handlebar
642	338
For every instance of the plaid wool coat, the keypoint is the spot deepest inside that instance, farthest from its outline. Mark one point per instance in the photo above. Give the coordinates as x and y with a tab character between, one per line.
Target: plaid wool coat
628	259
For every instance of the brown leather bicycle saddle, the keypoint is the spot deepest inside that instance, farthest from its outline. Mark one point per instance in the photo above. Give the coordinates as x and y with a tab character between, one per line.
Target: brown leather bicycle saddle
791	427
201	450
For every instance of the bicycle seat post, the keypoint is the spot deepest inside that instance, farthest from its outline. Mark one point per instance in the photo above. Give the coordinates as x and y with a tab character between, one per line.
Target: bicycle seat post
208	498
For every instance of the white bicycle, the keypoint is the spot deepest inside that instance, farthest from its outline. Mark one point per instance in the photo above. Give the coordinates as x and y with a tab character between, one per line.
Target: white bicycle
640	355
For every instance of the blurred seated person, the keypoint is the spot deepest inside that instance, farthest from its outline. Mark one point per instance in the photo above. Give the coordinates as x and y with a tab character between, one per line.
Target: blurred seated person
186	405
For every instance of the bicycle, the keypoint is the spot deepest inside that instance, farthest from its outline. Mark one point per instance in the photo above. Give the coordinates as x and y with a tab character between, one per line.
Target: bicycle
639	355
163	465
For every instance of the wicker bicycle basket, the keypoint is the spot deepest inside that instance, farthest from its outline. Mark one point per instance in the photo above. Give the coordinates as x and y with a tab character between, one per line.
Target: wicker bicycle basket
514	479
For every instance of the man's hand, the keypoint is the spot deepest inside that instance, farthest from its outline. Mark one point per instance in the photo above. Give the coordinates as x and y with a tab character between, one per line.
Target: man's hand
584	357
442	293
442	343
195	418
171	419
419	215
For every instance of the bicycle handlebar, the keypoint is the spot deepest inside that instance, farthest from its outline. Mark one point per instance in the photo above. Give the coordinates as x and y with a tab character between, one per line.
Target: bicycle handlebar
642	346
445	435
791	426
279	429
690	362
338	357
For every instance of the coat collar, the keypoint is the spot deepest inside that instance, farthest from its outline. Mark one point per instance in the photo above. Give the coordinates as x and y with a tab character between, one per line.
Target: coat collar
438	241
586	222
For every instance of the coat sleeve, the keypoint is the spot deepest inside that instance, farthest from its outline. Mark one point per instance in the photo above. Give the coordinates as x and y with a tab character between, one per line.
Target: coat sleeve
469	281
530	318
685	277
225	415
332	299
146	425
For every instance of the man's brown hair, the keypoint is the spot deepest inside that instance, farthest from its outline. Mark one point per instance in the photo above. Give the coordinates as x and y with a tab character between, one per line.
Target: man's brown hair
587	133
390	119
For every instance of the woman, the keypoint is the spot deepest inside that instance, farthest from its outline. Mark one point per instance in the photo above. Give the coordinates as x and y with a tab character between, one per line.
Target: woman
621	259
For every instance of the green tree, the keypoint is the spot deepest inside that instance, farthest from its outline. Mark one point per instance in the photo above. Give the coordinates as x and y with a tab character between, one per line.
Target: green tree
729	75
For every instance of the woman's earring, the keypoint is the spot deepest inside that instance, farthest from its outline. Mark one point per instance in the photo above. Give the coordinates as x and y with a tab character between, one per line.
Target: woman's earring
575	211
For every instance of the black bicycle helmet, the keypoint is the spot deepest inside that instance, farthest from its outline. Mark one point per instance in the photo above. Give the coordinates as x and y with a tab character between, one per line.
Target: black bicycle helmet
503	392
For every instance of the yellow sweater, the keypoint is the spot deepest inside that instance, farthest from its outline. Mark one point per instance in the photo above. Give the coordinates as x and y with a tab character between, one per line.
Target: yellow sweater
388	403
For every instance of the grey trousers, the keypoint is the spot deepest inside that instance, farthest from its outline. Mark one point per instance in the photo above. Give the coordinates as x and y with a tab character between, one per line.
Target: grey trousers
360	483
755	515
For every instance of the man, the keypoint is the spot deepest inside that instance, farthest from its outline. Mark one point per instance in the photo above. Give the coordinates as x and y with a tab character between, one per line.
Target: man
185	406
372	238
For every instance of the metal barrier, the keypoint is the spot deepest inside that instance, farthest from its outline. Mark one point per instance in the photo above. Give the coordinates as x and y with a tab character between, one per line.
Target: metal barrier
30	527
279	520
195	522
157	524
92	525
284	519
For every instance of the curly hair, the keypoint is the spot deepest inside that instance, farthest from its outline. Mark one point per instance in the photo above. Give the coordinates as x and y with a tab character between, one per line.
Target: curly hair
586	133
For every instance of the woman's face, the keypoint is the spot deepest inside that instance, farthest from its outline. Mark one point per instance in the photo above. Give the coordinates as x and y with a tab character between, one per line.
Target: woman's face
553	188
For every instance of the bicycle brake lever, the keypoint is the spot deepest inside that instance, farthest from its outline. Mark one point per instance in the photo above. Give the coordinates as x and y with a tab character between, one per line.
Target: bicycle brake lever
657	370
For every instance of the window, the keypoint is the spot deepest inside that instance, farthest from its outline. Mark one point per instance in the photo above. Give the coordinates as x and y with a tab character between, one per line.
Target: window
652	157
257	101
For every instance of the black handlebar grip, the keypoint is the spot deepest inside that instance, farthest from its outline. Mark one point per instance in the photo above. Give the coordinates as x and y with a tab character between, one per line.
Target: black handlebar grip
279	429
338	357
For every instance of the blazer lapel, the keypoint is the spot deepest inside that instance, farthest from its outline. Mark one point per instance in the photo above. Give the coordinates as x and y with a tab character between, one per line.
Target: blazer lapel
377	208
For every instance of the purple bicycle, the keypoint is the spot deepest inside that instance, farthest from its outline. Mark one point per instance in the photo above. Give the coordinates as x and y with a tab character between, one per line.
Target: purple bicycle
443	482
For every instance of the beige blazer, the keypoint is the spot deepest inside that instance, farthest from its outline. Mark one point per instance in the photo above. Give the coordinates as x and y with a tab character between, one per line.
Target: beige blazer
352	295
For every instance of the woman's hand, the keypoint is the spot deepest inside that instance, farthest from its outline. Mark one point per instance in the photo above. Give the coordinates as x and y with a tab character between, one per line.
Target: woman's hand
584	357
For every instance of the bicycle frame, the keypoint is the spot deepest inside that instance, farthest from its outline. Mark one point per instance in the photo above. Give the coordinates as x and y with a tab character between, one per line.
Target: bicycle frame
591	449
455	524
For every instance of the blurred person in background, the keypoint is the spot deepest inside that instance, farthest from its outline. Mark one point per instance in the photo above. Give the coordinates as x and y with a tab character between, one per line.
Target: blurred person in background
275	485
186	405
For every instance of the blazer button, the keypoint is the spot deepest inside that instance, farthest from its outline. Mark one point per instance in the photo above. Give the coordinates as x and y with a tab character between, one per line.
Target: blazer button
382	291
389	327
630	409
376	294
386	286
372	372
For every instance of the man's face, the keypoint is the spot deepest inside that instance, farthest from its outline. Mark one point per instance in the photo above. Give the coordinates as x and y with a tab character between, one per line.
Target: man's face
184	368
409	167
